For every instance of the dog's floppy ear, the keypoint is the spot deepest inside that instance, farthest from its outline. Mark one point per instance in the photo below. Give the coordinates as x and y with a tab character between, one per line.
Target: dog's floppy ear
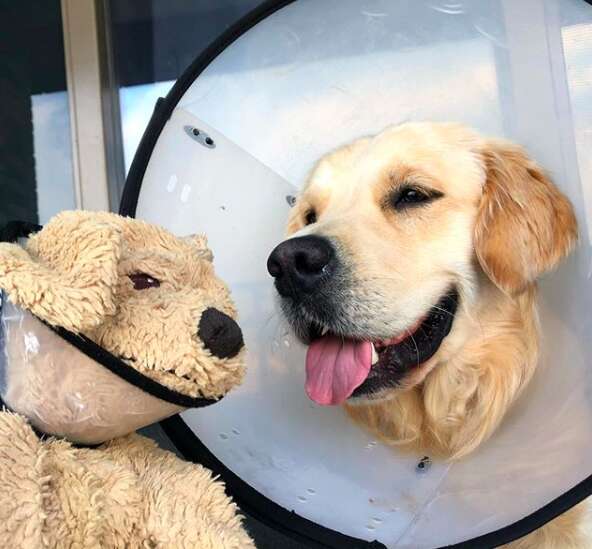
525	225
67	274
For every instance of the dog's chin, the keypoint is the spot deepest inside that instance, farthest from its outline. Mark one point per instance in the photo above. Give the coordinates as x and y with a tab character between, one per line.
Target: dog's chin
398	363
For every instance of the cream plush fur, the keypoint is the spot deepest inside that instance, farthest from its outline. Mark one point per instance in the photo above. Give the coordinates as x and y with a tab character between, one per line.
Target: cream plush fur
78	273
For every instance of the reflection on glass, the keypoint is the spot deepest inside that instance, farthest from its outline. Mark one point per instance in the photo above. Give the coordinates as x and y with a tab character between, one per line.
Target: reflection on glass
137	104
53	154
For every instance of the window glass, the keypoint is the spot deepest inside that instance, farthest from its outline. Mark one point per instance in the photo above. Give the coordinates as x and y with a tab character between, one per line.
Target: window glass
36	178
154	41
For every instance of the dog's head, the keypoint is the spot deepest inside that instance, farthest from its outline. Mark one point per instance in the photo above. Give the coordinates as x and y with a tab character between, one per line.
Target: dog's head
394	238
146	296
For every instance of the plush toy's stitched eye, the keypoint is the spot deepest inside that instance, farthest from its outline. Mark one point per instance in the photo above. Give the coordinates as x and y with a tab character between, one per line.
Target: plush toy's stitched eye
142	281
412	196
310	217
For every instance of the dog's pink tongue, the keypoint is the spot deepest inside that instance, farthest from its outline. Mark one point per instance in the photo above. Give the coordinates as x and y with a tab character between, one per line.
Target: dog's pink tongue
335	367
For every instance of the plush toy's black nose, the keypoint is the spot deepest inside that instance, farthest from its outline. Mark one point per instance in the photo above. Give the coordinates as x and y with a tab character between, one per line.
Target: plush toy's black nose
220	334
300	264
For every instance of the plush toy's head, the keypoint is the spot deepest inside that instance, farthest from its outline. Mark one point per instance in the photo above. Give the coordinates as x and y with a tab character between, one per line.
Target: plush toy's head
148	297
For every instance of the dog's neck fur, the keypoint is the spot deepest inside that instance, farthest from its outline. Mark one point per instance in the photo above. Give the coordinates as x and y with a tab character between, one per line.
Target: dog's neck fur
471	383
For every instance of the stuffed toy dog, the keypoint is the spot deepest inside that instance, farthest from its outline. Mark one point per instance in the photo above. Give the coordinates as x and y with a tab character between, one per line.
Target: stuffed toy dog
109	324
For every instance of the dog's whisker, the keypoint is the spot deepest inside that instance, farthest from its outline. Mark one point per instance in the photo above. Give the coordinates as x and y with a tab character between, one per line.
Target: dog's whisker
416	347
442	310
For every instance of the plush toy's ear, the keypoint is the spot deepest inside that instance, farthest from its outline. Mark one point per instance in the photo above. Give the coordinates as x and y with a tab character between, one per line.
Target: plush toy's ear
525	225
67	274
200	243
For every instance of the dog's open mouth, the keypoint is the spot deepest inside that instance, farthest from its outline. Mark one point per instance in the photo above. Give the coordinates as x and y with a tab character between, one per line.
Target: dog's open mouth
338	367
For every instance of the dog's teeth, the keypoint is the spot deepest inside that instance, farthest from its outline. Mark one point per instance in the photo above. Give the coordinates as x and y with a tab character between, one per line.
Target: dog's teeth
374	355
324	331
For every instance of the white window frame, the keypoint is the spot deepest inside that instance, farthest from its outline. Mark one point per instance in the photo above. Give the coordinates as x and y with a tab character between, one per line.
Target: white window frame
97	155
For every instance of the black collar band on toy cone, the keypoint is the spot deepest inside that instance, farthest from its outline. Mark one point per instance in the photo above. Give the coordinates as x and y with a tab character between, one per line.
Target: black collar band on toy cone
22	229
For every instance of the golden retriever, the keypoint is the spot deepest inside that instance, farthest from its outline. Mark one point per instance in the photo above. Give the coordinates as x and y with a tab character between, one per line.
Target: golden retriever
410	271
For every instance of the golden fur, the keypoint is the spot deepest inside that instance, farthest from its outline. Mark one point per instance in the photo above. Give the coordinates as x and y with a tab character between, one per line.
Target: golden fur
127	492
499	225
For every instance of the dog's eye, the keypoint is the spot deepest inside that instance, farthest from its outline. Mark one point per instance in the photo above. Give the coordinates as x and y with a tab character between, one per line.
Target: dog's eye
310	217
412	196
142	281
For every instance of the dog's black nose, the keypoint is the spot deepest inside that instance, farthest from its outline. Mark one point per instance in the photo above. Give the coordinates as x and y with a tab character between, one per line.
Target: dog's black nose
299	264
220	334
